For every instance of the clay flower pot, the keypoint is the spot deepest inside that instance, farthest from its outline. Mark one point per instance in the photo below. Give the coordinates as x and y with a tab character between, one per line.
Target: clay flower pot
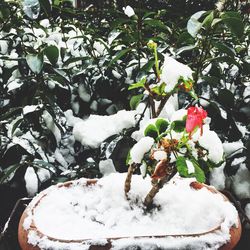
54	243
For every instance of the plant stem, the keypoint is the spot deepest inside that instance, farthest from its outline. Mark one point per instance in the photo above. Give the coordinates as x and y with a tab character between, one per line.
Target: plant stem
162	104
132	167
158	73
171	171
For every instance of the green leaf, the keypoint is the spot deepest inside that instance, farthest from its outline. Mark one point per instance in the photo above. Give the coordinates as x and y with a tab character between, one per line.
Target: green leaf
213	80
44	165
118	56
56	2
161	125
223	48
199	173
16	124
35	62
4	13
135	100
75	59
183	169
226	98
227	59
52	53
46	6
148	66
207	22
179	126
234	22
151	131
10	113
182	166
185	48
137	85
193	25
159	90
8	171
155	23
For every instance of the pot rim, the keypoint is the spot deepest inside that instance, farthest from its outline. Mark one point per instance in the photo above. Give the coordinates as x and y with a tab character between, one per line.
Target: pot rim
195	185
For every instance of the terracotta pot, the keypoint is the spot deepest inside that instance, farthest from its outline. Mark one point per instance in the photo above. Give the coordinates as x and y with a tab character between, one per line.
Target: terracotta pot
235	232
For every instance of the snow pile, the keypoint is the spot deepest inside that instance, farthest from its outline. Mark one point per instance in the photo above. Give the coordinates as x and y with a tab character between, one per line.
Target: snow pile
210	141
241	182
231	148
95	129
31	181
129	11
218	178
140	148
107	167
172	70
101	211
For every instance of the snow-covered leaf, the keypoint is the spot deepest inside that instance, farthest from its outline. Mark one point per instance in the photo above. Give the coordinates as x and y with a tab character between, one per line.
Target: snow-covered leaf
35	62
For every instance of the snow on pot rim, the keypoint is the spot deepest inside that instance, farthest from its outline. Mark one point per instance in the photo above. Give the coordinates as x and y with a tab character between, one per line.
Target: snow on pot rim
78	214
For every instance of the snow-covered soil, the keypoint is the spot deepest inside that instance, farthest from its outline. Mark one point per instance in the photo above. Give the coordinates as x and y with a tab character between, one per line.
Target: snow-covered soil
91	214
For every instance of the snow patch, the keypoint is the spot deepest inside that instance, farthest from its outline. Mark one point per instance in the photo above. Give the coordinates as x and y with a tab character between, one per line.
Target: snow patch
95	129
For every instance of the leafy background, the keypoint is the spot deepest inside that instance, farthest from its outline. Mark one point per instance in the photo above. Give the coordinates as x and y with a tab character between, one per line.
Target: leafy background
97	50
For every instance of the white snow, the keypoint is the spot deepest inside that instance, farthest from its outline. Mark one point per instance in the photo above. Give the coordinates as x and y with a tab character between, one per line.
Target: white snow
246	94
48	119
160	155
31	108
83	93
241	182
217	177
107	167
71	119
140	148
45	23
95	129
190	167
129	11
43	174
60	159
3	47
178	115
172	70
31	181
210	141
102	211
230	148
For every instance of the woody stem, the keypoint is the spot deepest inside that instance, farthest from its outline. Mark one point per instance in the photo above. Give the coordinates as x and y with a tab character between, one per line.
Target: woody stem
130	172
162	104
148	201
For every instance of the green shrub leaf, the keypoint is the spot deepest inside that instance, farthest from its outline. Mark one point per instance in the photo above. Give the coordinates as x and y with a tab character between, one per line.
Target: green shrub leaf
151	131
161	125
52	53
135	100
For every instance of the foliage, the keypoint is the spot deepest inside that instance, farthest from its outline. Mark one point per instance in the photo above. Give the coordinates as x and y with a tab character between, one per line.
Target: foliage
96	60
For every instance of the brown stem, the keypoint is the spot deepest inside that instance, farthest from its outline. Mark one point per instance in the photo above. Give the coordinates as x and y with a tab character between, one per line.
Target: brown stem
157	186
152	106
162	104
130	172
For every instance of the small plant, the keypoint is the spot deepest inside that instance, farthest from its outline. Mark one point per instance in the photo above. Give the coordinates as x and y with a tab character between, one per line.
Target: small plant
180	144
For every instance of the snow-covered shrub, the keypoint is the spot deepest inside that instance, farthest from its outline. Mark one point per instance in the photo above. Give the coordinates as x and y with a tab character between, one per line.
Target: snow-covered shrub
67	65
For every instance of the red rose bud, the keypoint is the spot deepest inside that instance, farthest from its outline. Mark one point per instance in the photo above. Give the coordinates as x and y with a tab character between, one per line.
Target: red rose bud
195	117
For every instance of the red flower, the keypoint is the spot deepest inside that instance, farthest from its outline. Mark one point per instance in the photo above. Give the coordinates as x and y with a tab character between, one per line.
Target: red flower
195	117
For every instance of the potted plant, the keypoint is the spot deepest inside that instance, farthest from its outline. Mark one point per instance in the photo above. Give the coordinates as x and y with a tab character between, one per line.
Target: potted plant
106	213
